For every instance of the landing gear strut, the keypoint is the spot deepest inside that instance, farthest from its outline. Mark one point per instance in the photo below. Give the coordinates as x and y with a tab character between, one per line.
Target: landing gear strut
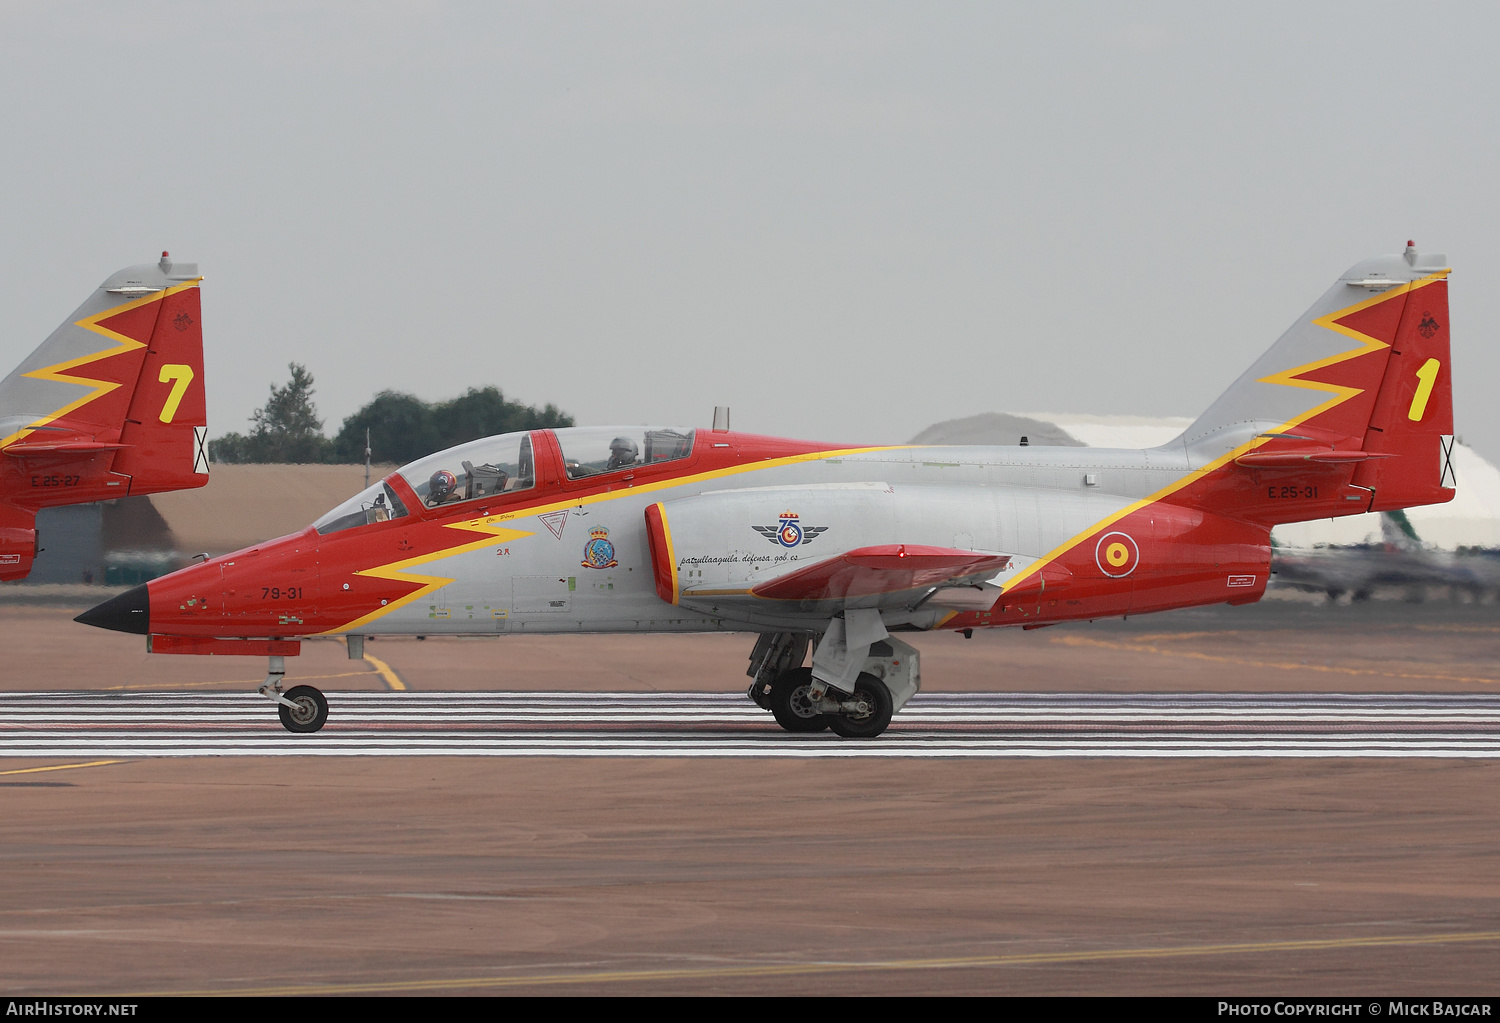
301	708
775	653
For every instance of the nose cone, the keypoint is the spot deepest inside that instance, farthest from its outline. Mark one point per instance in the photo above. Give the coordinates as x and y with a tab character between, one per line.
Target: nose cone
127	612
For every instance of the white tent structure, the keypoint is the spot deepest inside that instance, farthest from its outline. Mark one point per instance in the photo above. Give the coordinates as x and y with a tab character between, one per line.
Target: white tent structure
1471	519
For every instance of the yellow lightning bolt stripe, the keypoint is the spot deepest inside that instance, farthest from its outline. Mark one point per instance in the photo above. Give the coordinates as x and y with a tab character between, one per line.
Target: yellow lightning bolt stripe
399	571
1366	344
121	344
396	570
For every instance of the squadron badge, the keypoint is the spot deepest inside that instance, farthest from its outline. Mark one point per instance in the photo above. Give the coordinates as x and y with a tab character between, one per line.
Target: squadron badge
599	552
791	531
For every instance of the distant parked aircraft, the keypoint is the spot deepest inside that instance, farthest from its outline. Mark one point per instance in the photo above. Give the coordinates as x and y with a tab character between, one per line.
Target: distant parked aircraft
1400	561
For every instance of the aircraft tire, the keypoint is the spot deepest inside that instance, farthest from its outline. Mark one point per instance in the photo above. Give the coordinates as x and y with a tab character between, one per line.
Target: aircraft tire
310	714
789	702
878	698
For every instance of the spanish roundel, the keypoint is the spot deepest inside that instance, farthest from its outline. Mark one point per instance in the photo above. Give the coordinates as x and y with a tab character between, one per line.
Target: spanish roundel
1117	555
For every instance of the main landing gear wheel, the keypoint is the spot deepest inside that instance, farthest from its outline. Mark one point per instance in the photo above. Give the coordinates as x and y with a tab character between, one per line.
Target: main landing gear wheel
870	712
791	702
309	713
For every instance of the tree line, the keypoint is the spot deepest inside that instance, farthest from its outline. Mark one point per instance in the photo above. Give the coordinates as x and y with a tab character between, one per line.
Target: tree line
402	427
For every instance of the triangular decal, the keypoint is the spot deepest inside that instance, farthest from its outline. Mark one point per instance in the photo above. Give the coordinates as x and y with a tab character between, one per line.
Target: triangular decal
555	521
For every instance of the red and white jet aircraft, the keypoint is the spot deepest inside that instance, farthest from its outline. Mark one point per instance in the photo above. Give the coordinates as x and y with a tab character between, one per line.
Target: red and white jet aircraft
629	529
110	405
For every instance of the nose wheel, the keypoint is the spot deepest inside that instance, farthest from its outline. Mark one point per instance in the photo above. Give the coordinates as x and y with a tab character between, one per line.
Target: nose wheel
305	709
301	708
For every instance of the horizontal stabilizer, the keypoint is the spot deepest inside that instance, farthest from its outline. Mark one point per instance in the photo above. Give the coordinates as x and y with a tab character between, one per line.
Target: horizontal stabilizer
61	447
887	568
1298	458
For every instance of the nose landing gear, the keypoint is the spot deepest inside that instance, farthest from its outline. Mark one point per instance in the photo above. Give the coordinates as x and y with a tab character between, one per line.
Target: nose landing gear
305	709
301	708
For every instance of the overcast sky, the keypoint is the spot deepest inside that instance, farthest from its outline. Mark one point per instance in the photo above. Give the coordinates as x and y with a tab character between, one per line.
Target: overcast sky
846	221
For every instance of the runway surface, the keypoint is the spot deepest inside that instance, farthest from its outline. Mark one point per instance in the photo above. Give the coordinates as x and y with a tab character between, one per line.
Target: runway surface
578	724
1081	838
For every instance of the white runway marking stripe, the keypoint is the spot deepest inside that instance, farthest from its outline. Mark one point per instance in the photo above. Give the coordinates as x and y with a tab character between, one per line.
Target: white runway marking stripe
93	724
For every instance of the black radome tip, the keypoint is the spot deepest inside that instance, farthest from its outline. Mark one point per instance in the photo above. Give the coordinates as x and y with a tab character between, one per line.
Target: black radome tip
126	612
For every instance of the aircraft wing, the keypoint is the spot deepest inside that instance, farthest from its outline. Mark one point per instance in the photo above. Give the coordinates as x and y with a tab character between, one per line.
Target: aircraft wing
706	551
886	568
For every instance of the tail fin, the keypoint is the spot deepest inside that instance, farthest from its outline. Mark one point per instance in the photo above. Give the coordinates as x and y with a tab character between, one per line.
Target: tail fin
1412	424
166	428
1363	380
123	374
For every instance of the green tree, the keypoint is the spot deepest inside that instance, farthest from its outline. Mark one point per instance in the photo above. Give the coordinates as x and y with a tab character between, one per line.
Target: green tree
400	426
404	428
486	412
286	428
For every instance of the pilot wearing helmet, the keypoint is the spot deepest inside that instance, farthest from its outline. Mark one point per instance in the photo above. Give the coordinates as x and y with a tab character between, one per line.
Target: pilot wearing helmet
441	487
622	453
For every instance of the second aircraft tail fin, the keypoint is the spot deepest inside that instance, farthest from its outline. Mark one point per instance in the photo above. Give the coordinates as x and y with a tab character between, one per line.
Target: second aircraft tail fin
123	374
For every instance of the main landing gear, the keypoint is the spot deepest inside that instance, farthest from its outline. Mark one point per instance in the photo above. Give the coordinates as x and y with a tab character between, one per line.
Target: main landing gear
799	707
884	676
301	708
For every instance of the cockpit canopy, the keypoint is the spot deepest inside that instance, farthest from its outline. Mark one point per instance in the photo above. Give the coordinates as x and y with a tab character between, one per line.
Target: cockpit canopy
375	504
505	465
481	468
596	450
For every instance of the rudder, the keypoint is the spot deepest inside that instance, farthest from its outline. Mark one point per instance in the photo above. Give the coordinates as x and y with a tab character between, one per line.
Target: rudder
1412	422
166	428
